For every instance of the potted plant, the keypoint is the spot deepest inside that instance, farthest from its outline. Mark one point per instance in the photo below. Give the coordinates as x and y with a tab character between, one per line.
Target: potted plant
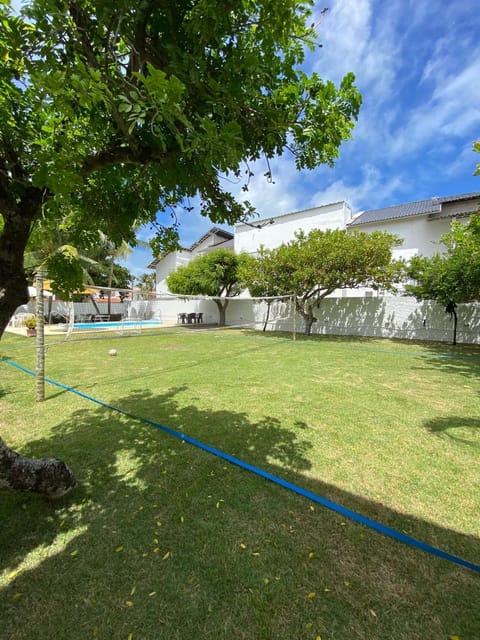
31	325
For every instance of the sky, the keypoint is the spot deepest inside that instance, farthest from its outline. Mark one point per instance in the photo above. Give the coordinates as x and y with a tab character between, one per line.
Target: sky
417	65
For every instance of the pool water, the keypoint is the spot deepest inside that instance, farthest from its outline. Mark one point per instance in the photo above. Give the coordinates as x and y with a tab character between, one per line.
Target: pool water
95	326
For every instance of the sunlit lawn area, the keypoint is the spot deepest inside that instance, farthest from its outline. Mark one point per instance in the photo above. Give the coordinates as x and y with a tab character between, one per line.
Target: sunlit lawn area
161	540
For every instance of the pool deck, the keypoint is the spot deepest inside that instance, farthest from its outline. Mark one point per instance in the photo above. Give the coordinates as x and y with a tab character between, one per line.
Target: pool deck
50	330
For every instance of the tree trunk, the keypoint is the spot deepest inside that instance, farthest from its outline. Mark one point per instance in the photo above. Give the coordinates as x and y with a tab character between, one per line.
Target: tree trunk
13	282
455	321
222	310
269	304
306	311
451	308
49	476
109	283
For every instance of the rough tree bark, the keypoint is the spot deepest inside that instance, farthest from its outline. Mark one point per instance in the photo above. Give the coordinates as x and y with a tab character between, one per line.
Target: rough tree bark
222	310
305	309
48	476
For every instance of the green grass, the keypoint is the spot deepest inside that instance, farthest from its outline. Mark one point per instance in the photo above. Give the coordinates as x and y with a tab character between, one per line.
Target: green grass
164	541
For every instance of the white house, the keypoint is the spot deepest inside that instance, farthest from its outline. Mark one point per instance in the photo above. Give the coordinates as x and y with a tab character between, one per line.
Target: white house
271	232
214	239
420	224
354	312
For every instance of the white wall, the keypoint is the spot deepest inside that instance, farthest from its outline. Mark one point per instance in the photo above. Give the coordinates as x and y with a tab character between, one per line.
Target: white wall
420	235
352	312
169	263
383	317
387	317
330	216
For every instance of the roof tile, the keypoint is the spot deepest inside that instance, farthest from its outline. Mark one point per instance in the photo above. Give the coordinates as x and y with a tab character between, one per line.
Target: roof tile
421	207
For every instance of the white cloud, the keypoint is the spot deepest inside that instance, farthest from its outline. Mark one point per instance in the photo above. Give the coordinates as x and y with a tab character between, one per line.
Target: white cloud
372	191
417	64
452	110
464	161
355	39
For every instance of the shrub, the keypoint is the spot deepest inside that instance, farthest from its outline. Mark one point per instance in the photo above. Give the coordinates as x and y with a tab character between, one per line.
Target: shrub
31	322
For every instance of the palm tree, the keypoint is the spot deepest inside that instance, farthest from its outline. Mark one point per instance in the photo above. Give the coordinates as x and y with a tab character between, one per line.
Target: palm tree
146	282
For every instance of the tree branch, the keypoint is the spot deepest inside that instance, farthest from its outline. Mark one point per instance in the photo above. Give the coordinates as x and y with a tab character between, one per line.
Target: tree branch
138	55
85	48
118	154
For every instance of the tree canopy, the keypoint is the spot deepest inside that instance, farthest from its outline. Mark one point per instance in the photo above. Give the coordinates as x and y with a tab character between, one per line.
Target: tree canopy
452	277
146	282
216	274
313	266
112	110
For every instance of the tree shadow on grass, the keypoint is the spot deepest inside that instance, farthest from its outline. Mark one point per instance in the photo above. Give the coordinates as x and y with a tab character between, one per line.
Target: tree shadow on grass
446	424
162	540
461	360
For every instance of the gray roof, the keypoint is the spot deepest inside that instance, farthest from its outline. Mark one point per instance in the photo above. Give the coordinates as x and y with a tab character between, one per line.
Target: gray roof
421	207
216	231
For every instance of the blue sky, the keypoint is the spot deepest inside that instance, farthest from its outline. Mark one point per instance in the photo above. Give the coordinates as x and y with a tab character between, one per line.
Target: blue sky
417	64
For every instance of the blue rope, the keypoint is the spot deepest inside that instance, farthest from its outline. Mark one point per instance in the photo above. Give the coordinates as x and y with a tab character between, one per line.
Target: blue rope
352	515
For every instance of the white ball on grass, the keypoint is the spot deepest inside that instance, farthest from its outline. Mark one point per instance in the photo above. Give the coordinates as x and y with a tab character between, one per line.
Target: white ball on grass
112	352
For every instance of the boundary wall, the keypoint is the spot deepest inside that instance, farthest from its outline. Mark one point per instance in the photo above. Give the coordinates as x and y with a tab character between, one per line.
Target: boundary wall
387	316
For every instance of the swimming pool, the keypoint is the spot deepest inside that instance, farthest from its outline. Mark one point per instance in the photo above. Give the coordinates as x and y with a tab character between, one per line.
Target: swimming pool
102	326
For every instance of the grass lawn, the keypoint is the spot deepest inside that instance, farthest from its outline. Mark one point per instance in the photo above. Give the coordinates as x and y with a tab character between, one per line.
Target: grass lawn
161	540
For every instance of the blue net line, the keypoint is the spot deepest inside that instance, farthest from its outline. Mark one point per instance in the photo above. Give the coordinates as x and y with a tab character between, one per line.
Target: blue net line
333	506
